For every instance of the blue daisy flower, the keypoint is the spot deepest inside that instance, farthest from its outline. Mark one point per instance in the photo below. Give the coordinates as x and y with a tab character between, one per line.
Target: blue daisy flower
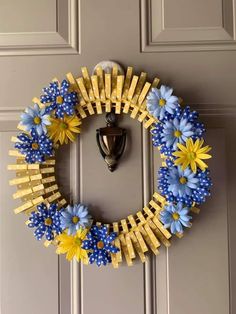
191	117
99	244
172	130
161	101
176	131
35	148
46	221
35	118
181	182
74	217
173	191
60	99
175	217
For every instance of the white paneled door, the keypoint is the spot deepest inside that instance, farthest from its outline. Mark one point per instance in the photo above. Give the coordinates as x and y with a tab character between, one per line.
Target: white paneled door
191	46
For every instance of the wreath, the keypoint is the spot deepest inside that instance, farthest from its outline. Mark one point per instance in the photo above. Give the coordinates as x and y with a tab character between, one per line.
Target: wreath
56	118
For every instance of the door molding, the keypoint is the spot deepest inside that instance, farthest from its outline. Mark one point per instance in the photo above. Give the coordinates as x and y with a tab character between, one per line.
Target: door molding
156	37
65	40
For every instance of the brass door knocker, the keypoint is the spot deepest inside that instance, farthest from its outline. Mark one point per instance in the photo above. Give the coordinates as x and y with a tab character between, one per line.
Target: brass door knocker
111	141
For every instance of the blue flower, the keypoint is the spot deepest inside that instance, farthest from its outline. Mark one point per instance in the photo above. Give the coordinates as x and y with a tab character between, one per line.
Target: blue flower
163	133
35	118
175	217
59	99
156	132
203	189
192	117
74	217
99	244
181	182
195	190
35	148
176	131
161	101
46	221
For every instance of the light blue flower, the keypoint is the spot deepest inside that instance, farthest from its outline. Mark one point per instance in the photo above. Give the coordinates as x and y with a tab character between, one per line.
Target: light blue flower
35	118
181	182
160	101
176	131
74	217
185	117
175	217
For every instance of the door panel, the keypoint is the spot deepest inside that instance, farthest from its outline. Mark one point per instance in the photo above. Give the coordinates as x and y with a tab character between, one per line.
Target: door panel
196	55
25	276
203	253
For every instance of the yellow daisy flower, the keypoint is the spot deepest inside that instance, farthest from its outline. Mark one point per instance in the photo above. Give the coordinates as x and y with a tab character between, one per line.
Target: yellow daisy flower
71	245
64	129
192	154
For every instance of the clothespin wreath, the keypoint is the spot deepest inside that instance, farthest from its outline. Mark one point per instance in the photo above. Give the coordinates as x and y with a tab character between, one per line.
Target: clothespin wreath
55	119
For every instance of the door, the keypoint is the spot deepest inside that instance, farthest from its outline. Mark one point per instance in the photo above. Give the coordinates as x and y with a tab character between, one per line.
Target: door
190	45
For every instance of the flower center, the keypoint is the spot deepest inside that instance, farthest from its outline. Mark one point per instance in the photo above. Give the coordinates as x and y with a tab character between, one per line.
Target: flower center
59	100
100	245
78	241
175	216
37	120
75	219
191	156
35	146
48	221
183	180
177	133
162	102
63	126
